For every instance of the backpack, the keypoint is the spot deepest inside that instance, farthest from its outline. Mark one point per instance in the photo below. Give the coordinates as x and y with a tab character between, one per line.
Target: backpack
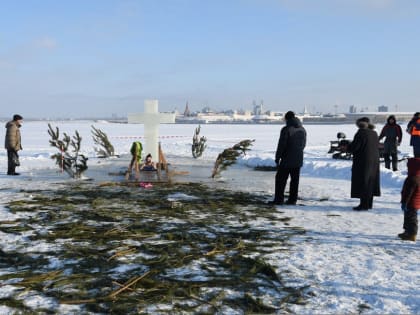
136	149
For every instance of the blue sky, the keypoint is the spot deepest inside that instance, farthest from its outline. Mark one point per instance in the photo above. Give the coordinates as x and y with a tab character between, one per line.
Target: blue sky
101	57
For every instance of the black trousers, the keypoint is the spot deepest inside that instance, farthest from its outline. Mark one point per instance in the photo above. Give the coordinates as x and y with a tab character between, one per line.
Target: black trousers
410	222
281	180
366	202
394	157
12	158
416	150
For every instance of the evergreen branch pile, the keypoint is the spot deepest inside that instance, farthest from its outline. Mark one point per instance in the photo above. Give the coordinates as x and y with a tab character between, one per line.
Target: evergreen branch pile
68	159
199	144
230	155
105	149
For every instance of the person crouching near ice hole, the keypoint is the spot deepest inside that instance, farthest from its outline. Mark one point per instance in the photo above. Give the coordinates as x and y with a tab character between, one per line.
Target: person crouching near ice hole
365	179
148	164
289	159
135	150
410	200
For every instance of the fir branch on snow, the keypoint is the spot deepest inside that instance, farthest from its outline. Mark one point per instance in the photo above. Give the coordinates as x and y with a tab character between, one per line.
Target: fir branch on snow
230	155
105	149
68	159
199	144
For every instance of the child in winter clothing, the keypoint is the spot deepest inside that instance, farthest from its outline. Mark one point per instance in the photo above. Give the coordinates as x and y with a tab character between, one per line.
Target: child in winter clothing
410	200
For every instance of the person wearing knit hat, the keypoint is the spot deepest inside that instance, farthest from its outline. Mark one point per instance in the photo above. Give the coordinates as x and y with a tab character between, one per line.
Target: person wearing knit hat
17	117
289	159
392	133
289	115
13	143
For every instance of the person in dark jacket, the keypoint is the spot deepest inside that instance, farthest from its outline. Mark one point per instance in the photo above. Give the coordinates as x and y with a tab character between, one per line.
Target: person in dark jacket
413	128
365	179
392	133
13	144
410	200
289	158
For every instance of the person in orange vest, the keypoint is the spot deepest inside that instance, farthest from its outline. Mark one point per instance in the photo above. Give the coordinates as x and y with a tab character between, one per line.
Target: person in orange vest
413	128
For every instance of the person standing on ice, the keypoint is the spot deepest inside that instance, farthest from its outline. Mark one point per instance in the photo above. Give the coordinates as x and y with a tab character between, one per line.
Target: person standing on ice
13	144
289	159
413	128
392	133
410	200
365	180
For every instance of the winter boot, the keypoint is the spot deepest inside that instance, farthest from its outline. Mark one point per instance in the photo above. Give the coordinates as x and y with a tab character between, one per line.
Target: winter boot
408	237
403	234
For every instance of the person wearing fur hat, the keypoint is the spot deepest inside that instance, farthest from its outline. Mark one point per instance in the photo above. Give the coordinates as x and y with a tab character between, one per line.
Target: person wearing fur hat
410	200
365	179
392	133
13	144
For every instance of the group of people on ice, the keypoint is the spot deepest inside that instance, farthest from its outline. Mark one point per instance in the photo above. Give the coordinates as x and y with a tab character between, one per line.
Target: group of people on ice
13	144
365	175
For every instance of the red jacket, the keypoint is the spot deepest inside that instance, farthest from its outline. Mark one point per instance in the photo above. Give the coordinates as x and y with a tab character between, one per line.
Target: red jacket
410	193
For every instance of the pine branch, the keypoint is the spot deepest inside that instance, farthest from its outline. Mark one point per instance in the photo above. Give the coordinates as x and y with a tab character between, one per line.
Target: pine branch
199	144
73	164
105	149
230	155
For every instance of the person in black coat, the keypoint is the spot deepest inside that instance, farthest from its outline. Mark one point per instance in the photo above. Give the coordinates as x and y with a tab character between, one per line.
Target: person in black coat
365	179
289	158
392	133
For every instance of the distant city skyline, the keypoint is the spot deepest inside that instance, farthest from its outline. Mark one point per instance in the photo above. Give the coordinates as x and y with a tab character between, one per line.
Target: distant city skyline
98	58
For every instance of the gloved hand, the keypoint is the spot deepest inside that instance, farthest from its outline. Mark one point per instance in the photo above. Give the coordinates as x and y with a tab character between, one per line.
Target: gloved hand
404	207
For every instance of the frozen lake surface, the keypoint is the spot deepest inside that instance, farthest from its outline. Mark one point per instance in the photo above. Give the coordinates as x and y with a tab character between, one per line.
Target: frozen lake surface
352	261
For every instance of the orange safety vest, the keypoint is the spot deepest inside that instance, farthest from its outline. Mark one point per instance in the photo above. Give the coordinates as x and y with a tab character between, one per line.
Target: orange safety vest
414	130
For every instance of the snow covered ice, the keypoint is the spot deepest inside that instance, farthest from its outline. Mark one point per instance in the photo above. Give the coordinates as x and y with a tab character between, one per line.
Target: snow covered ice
353	261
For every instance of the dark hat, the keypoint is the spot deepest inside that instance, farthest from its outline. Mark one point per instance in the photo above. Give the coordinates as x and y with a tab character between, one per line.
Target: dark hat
289	115
391	117
364	119
17	117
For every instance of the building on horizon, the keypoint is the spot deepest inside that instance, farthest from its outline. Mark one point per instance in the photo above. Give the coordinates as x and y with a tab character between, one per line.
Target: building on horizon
383	109
187	112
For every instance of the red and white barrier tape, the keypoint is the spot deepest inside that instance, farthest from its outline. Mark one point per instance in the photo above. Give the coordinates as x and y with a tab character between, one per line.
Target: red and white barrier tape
142	137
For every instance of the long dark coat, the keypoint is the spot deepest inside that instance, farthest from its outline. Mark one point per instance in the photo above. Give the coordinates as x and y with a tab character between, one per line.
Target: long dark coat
365	176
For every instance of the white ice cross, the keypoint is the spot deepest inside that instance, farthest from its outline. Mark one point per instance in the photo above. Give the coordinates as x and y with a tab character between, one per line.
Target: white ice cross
151	119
